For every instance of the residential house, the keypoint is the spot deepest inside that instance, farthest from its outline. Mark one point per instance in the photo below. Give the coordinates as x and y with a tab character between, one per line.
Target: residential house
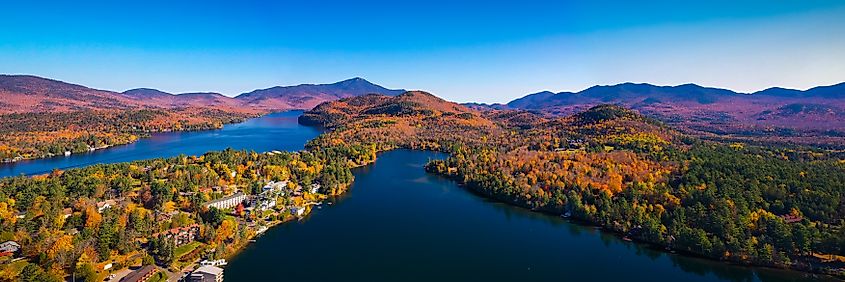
789	219
141	275
297	211
10	247
181	235
315	188
227	202
207	273
274	187
102	206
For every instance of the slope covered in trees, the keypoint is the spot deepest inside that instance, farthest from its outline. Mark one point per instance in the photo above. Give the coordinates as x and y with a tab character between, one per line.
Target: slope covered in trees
39	135
630	174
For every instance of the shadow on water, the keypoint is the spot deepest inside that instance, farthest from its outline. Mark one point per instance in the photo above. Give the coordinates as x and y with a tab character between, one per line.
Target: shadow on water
398	223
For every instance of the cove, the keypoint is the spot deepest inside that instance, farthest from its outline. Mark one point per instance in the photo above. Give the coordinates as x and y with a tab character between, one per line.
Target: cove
398	223
277	131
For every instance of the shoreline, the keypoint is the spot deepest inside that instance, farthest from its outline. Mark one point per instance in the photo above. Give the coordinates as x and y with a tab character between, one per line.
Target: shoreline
142	135
620	235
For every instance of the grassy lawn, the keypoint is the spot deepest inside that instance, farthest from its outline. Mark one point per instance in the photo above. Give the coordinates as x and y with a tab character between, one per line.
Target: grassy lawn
158	277
187	248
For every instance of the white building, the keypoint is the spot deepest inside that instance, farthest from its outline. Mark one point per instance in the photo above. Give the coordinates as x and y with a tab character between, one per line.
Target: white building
315	188
273	187
266	204
227	202
207	273
9	246
297	211
102	206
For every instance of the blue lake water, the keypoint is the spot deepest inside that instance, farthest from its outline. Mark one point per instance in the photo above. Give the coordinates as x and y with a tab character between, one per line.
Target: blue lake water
398	223
279	131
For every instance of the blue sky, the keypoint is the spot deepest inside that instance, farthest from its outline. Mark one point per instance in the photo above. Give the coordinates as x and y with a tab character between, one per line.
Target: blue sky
469	51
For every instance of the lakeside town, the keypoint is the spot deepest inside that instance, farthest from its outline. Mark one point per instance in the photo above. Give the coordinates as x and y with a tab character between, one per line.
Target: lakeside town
160	230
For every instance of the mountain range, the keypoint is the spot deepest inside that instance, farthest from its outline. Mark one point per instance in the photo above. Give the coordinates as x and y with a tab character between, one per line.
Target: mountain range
815	113
774	111
25	93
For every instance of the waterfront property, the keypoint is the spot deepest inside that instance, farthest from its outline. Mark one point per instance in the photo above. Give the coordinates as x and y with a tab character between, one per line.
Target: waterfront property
207	273
217	262
141	275
227	202
297	211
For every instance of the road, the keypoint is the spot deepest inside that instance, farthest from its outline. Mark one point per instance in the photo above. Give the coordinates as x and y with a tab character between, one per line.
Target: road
120	274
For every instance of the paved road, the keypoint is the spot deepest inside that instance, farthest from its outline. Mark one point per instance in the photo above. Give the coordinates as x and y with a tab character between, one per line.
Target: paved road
119	274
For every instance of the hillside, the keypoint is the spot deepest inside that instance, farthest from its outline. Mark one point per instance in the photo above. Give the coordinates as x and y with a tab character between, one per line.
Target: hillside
44	117
613	167
416	104
789	115
306	96
23	93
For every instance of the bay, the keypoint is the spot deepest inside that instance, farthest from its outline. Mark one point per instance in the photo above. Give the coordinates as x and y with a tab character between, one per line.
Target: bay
277	131
398	223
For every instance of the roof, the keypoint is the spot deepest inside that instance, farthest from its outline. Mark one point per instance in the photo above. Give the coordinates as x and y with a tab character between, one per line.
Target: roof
11	242
178	230
239	194
209	269
139	274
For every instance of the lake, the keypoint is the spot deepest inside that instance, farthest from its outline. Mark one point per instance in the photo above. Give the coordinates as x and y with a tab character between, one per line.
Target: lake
278	131
398	223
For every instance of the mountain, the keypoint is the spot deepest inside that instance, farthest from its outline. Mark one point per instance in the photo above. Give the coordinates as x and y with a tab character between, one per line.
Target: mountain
814	114
306	96
26	93
184	100
410	104
624	93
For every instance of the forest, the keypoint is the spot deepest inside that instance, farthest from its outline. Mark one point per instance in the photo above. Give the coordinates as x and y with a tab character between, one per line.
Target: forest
40	135
612	167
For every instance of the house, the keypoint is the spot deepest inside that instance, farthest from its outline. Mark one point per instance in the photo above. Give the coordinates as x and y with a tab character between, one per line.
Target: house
227	202
67	213
315	188
181	235
297	211
102	206
162	216
265	203
140	275
789	219
207	273
10	247
273	187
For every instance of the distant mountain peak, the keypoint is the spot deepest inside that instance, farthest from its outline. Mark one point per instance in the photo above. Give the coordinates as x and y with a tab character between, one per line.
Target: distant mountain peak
306	96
